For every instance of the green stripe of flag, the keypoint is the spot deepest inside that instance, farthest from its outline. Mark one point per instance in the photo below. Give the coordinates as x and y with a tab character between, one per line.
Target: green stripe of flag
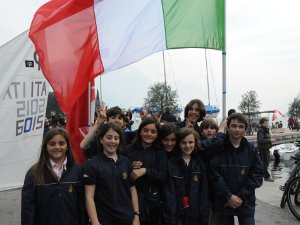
194	23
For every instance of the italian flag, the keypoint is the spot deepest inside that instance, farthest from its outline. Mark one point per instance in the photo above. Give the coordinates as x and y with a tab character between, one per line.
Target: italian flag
77	40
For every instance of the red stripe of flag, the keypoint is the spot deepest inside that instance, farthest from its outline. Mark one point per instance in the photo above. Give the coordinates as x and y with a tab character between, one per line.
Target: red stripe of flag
52	32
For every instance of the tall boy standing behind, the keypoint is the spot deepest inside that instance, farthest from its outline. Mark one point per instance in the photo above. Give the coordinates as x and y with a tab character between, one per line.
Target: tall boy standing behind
236	173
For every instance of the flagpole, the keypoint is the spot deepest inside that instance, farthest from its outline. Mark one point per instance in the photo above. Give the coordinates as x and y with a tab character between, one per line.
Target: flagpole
165	76
89	105
224	68
101	102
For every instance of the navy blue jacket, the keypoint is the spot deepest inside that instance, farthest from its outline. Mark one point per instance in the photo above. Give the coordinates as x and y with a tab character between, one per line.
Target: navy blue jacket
149	186
236	171
174	192
59	203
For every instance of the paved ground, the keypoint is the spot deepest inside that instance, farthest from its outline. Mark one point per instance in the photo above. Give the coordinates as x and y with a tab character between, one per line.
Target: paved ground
268	211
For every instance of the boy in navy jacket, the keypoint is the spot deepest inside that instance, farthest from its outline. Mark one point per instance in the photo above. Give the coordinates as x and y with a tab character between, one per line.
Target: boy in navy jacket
236	173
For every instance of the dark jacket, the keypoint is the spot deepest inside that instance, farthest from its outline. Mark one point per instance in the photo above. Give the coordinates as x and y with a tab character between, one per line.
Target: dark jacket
236	171
175	191
183	124
168	117
149	186
59	203
263	139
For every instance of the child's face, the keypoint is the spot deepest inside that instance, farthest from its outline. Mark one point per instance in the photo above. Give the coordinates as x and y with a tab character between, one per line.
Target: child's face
187	144
148	134
57	148
194	113
209	132
236	129
117	120
169	142
110	142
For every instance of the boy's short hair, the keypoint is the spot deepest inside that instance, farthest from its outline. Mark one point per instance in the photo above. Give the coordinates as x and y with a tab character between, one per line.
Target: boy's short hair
262	120
208	123
113	111
239	117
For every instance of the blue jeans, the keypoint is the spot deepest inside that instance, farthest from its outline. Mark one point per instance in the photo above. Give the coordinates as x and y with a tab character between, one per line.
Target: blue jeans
243	220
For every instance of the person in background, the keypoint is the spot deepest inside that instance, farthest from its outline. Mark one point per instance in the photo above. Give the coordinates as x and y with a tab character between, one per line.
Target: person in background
187	196
54	119
130	121
53	188
194	112
236	173
111	197
167	116
264	143
149	162
167	136
126	125
47	126
230	111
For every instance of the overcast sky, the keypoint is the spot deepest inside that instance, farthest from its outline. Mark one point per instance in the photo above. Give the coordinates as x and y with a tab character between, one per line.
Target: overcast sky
263	54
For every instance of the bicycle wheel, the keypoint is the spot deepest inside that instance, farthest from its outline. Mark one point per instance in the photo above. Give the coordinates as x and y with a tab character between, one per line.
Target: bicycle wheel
293	196
284	197
297	195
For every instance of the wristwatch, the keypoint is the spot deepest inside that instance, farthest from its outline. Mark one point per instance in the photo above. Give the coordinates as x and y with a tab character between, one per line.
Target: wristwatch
137	213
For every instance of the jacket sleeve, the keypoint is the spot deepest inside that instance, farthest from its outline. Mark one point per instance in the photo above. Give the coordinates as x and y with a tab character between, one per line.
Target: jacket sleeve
81	199
158	174
28	201
255	177
169	202
212	146
204	198
220	187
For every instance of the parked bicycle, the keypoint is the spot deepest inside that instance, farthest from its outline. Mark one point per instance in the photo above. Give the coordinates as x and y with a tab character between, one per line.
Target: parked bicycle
295	172
291	189
293	196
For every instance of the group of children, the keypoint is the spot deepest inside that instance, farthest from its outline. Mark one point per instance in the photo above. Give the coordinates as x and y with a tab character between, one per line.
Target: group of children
176	174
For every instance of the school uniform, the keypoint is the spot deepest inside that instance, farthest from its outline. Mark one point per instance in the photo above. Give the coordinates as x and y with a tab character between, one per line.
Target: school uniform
187	194
154	159
112	194
236	171
54	202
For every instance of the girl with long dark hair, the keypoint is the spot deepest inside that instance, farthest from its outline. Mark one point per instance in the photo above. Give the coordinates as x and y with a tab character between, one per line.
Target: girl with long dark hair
149	163
53	191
